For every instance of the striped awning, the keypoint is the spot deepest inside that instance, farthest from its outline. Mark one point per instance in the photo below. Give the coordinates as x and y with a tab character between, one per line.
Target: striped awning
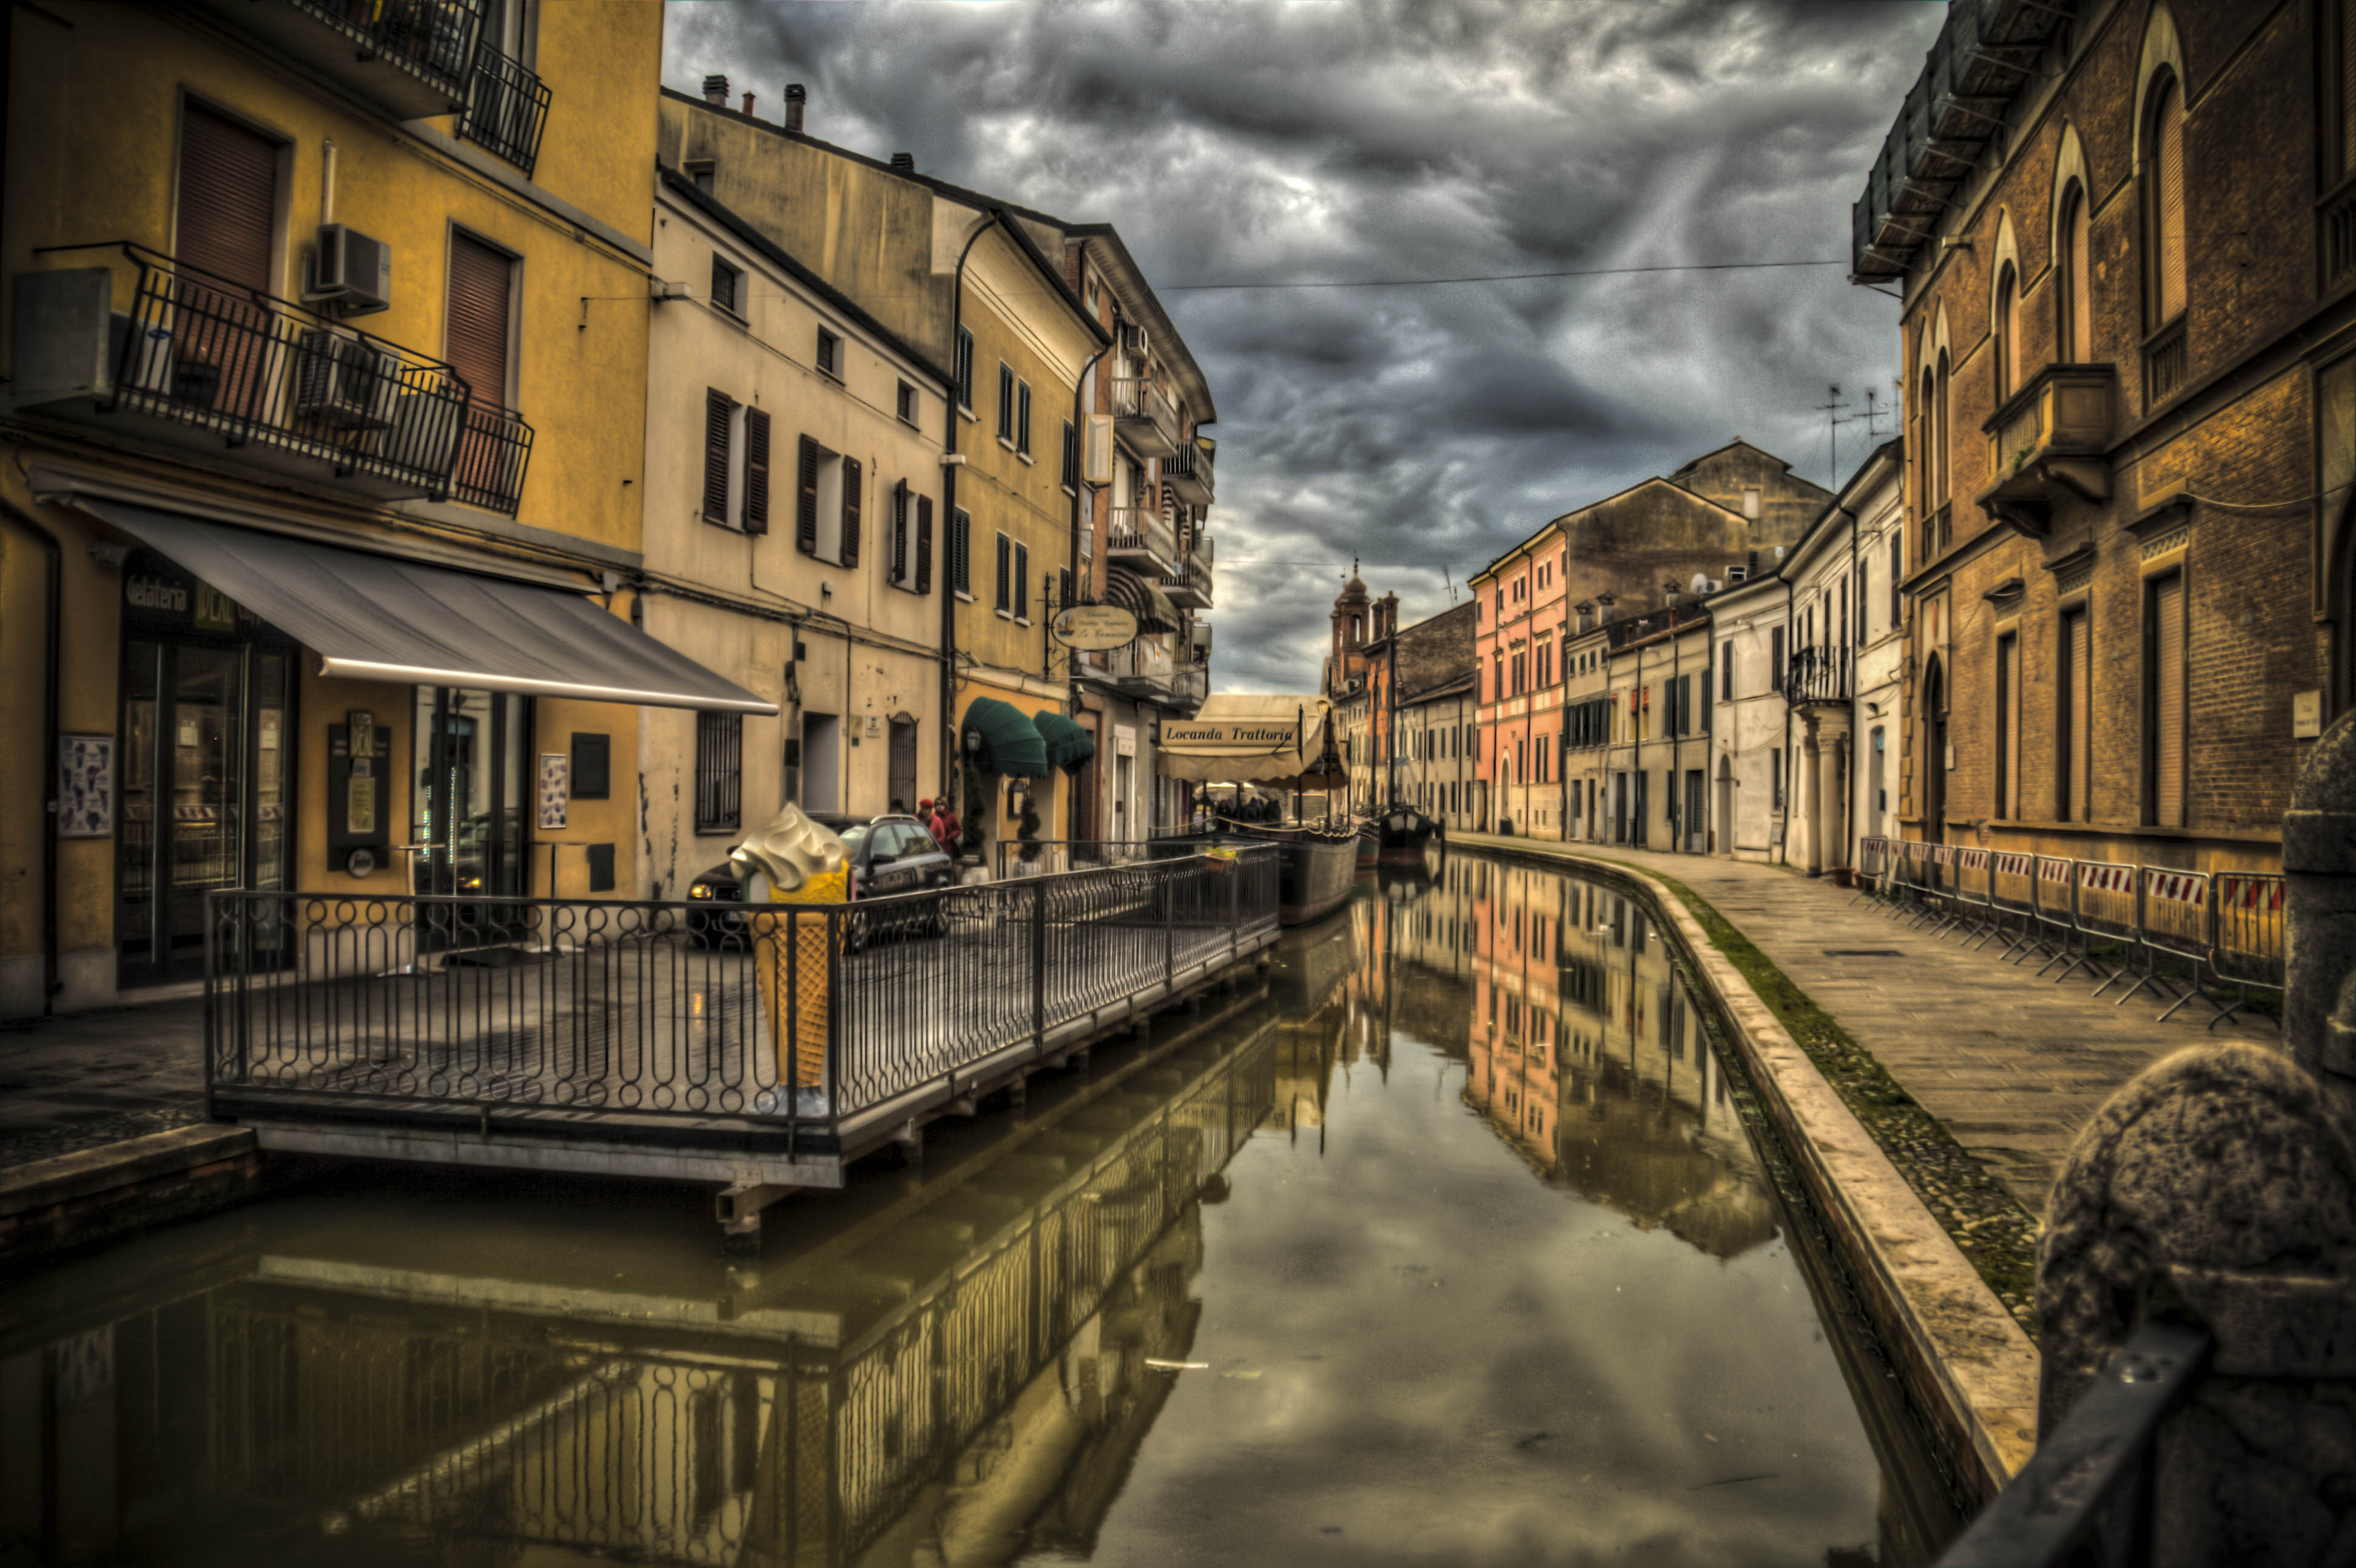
1148	604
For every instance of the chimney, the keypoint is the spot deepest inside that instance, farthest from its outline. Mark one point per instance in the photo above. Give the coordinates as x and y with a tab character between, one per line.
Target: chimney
748	106
715	92
904	163
795	96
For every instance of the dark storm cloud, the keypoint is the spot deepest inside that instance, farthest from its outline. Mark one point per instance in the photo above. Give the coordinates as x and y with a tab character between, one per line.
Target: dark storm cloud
1421	430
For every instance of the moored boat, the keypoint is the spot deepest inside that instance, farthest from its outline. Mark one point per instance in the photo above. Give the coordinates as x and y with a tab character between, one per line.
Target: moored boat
1401	834
1316	869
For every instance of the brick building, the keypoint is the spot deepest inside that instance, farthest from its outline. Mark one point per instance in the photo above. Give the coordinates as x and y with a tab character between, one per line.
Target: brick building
2125	340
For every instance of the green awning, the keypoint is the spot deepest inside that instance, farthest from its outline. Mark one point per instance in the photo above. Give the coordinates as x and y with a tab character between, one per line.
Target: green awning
1068	745
999	739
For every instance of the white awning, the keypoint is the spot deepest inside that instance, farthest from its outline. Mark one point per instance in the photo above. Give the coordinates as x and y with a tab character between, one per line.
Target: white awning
1281	741
378	617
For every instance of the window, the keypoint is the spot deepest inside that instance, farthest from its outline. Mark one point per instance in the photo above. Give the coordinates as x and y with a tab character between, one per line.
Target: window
904	403
1861	617
2163	701
699	172
228	203
719	426
719	772
1897	578
2074	719
827	519
2163	203
726	285
1022	583
1005	601
1071	456
1775	773
477	326
2006	332
829	353
2075	295
1775	658
1006	403
2008	726
1751	502
1022	417
965	369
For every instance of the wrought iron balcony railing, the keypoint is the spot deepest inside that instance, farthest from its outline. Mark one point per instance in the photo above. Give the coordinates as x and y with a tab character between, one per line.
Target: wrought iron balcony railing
1145	417
1820	674
416	57
203	362
507	108
1189	586
1188	471
1139	534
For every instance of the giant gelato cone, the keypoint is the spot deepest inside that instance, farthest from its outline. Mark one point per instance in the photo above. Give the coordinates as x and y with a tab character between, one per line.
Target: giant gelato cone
793	860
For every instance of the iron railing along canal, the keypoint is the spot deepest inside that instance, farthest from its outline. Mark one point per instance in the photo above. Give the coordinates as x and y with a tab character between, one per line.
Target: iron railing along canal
703	1024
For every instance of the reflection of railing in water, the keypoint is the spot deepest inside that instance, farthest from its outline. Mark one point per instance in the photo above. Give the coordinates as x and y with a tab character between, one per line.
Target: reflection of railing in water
730	1449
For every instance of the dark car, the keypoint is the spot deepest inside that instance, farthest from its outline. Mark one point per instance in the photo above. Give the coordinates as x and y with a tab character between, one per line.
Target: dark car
888	854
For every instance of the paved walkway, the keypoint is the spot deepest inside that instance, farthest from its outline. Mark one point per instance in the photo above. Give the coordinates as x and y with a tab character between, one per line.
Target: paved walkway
2013	1065
74	1082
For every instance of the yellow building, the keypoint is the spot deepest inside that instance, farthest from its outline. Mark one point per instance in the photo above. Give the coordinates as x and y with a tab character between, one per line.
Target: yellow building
981	289
326	345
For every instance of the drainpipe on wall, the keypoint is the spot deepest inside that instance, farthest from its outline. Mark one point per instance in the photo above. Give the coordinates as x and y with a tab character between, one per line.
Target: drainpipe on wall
1072	572
953	753
52	662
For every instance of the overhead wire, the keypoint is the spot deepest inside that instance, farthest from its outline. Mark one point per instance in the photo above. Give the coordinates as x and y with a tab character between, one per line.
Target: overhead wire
1496	277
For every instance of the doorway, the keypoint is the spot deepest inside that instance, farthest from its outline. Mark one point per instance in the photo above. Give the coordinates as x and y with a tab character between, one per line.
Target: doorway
821	762
1934	753
1697	832
205	725
902	770
468	811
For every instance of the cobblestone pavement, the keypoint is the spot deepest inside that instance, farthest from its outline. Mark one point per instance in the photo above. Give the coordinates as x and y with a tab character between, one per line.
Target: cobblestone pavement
77	1082
2013	1065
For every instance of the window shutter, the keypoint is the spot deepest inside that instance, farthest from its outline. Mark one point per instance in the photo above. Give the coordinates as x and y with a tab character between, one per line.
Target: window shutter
2167	174
1775	658
477	332
895	562
716	406
850	511
923	544
2078	691
757	470
961	550
1022	418
806	504
1005	597
229	199
1021	582
2168	702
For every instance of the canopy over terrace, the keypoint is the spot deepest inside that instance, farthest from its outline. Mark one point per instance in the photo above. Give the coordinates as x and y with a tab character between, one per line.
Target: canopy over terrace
1283	742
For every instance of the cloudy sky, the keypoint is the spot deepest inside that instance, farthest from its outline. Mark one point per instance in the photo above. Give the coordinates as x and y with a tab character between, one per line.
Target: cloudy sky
1419	429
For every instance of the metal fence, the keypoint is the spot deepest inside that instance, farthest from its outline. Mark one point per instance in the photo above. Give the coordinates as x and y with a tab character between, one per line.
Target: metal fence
699	1024
2183	936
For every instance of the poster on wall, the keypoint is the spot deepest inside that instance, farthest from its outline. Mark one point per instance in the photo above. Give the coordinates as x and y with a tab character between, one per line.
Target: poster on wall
85	786
555	786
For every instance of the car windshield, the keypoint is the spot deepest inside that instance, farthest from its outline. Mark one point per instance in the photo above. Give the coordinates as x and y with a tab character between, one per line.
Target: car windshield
855	837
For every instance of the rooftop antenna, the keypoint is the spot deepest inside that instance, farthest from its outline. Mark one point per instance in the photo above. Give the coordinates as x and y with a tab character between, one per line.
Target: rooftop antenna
1831	411
1450	583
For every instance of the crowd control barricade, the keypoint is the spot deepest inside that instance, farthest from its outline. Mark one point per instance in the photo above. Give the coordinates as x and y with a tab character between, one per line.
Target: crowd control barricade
1872	862
2107	897
2174	918
1962	890
2246	948
1921	885
2012	891
2057	911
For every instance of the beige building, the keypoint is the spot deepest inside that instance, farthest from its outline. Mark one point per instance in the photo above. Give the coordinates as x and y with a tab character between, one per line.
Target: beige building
801	555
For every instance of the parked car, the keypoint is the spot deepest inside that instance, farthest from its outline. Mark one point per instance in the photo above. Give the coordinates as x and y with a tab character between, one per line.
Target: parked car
888	854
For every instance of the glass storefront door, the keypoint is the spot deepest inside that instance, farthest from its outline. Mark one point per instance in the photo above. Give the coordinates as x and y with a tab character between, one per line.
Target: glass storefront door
468	811
203	792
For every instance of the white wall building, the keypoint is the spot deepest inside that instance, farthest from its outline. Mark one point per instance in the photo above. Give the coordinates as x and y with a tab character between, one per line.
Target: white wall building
1750	766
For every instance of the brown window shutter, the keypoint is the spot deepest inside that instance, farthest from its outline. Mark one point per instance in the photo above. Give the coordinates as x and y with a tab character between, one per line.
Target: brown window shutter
2168	174
849	512
896	560
2168	702
805	506
477	332
229	198
716	407
757	470
923	544
2078	691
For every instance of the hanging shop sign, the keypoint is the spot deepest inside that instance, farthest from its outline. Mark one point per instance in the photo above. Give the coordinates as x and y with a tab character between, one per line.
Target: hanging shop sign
1094	629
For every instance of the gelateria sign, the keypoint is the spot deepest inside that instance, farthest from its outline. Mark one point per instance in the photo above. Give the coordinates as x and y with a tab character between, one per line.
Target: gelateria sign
1250	740
1094	629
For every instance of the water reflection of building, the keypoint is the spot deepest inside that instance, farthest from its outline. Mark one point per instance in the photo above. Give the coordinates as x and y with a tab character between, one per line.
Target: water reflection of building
1588	1055
963	1378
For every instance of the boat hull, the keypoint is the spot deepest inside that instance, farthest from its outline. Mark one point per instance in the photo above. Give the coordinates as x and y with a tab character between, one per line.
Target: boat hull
1313	875
1402	834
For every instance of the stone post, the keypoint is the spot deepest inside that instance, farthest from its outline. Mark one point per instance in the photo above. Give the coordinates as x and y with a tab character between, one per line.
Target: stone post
2218	1190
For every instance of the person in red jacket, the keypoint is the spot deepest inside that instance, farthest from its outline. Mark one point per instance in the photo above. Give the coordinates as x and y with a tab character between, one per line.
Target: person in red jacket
948	831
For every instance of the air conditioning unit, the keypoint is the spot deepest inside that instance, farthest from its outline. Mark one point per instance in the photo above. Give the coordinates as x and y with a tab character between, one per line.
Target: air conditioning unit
351	271
1135	343
343	383
1737	574
423	432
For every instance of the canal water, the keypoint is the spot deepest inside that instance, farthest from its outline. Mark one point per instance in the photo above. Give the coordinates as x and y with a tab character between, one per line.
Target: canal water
1449	1242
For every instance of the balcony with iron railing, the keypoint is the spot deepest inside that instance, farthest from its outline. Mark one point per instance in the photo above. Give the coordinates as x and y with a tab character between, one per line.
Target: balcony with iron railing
202	363
1188	471
1140	537
1819	677
1189	586
1144	417
507	108
414	57
1142	668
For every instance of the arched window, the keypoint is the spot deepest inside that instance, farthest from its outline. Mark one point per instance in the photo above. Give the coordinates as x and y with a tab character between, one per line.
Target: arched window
2006	331
2163	203
1939	434
2075	267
